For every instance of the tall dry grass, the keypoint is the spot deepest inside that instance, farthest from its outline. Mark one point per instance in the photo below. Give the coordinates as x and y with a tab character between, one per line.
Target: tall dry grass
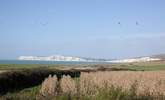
150	83
49	86
68	85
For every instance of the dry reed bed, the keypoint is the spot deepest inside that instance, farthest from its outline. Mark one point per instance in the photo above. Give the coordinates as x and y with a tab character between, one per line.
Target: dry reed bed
147	82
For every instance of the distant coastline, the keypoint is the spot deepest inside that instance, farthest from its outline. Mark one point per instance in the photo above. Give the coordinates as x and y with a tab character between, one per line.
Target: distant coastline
83	59
47	62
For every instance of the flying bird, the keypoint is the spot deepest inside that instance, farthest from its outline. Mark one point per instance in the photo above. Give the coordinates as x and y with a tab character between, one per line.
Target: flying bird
43	23
137	23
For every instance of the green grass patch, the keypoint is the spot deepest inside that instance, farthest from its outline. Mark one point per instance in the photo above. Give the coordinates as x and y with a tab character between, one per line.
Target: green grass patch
146	66
26	94
25	66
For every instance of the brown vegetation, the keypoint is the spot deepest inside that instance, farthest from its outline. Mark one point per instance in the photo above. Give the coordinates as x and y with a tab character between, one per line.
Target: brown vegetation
149	83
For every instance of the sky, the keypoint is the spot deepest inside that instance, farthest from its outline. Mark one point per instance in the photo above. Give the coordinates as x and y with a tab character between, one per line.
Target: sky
85	28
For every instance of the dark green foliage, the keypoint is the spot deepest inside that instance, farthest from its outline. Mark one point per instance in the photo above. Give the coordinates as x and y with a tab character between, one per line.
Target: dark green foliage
26	94
17	80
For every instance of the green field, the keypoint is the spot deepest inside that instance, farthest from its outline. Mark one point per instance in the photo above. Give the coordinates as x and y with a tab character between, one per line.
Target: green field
26	94
147	66
24	66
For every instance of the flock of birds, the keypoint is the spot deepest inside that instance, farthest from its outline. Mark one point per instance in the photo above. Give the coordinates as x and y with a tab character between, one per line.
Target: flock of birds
136	23
119	23
45	23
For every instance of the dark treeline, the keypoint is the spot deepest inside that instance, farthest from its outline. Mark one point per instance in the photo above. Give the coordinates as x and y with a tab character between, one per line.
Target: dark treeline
18	80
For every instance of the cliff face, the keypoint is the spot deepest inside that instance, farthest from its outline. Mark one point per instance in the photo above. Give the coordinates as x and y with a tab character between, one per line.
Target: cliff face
161	56
72	58
141	59
51	58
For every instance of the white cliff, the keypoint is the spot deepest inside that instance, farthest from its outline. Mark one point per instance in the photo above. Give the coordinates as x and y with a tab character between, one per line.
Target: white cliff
141	59
51	58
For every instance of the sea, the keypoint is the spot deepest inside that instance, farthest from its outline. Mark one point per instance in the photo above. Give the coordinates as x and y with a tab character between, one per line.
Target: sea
46	62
